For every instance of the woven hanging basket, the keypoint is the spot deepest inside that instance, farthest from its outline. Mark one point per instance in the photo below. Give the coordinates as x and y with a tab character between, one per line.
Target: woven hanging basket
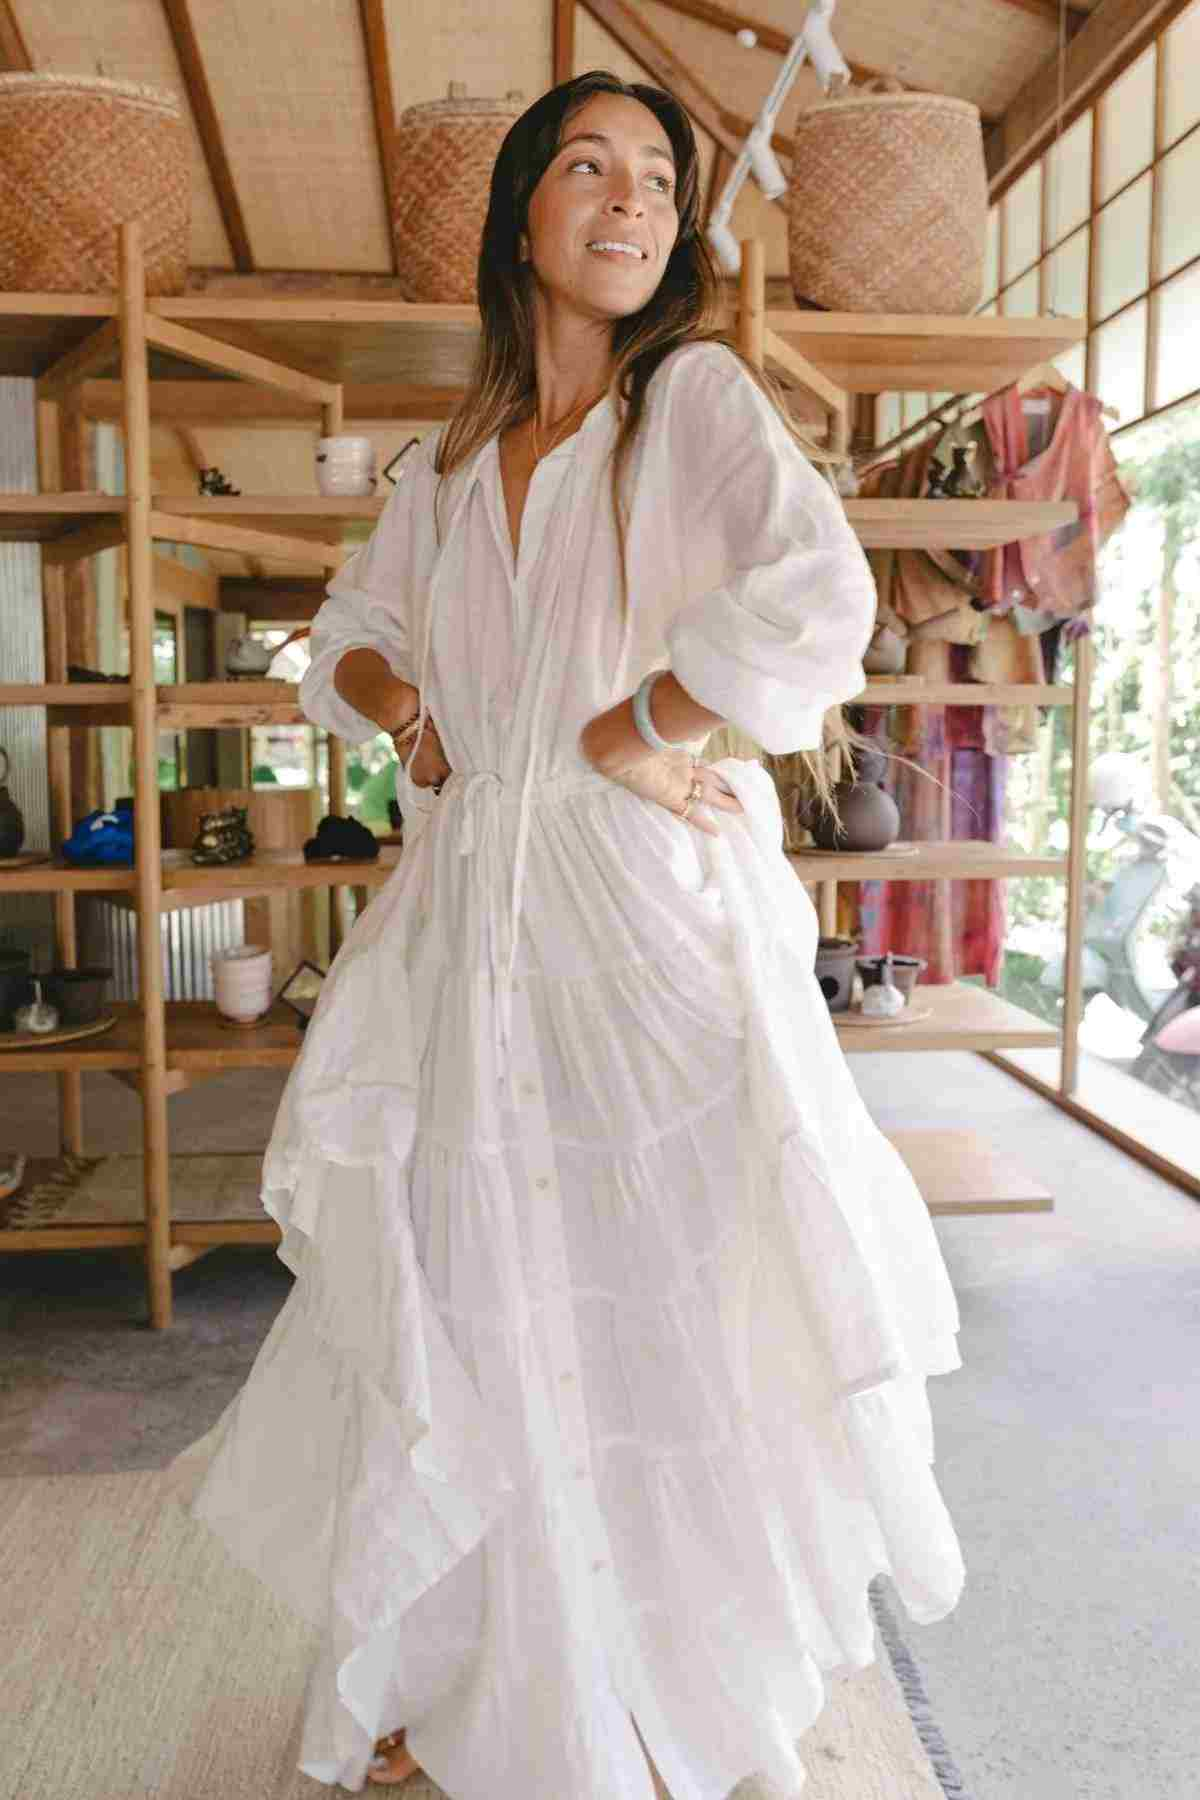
888	204
79	157
442	160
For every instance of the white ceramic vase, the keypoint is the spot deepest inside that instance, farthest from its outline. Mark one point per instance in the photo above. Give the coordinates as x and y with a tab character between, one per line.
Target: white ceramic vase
345	465
242	982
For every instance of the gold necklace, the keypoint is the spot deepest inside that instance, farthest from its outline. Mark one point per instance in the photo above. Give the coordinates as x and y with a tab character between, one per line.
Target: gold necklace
556	439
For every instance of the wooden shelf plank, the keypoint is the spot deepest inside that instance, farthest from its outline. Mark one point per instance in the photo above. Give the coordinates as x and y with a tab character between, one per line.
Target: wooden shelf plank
52	518
869	353
961	693
954	524
118	1048
272	869
961	1172
213	704
196	1039
53	875
964	1017
65	693
959	859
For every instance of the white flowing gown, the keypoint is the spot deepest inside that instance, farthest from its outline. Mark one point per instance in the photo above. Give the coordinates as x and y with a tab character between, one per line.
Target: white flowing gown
601	1390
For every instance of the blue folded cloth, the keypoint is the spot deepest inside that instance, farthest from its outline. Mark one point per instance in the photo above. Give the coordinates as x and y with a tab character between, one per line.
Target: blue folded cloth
102	837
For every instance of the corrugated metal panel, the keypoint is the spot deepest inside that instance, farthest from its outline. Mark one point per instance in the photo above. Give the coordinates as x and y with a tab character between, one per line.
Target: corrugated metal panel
189	937
26	920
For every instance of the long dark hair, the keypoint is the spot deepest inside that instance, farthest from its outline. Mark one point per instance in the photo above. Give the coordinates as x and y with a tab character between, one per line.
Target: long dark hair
684	308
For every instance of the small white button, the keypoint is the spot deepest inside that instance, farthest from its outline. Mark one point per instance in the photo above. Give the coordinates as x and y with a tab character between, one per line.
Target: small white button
597	1566
566	1376
516	987
542	1181
529	1087
579	1471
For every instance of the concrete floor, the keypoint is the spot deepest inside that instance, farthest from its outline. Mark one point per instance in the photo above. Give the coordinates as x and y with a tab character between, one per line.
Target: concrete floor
1067	1444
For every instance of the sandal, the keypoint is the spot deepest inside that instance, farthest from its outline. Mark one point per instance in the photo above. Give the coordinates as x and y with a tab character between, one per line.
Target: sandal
388	1776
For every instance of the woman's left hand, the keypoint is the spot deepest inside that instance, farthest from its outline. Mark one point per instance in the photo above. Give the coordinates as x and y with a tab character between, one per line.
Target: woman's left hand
670	777
428	768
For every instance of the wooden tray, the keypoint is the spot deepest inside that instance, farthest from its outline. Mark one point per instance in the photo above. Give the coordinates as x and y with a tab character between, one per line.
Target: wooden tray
66	1034
25	859
899	848
854	1015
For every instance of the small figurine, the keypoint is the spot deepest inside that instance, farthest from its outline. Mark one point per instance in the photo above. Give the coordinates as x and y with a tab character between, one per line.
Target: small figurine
213	482
223	837
38	1016
249	656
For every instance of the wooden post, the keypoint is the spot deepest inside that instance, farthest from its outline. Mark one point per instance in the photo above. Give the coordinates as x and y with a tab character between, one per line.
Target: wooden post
135	385
1076	866
58	762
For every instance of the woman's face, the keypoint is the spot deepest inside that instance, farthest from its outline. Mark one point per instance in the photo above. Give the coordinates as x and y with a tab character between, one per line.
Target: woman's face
611	181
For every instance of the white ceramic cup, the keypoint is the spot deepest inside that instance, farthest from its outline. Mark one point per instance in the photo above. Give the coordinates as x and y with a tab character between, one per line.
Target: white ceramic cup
346	465
242	981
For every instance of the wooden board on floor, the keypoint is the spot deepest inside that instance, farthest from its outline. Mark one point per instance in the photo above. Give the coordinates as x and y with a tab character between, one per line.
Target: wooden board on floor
963	1172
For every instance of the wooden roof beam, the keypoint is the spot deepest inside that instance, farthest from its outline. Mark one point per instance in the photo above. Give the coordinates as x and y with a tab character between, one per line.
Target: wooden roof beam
195	81
564	40
723	18
1112	37
379	69
14	54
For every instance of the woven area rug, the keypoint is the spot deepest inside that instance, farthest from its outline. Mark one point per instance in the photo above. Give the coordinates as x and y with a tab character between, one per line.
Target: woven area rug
92	1190
137	1660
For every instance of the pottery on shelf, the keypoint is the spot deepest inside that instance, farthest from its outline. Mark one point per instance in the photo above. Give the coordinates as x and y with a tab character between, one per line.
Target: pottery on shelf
77	993
835	970
887	652
906	971
242	982
12	820
249	655
346	465
223	837
37	1017
870	819
883	1000
14	984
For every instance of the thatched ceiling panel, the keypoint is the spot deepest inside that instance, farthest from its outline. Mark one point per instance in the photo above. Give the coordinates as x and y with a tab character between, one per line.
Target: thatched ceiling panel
127	40
435	42
290	84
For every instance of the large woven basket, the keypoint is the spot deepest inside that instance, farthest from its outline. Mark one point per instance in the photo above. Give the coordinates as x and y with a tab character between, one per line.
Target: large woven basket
442	160
888	204
79	157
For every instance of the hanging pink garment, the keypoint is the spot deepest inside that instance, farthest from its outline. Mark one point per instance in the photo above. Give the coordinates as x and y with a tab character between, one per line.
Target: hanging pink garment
1056	571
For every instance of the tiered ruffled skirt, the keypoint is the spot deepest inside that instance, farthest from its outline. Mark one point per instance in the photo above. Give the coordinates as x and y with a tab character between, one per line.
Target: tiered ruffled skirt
606	1401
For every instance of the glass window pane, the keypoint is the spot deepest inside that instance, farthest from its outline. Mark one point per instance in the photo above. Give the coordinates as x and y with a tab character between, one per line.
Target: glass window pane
1067	285
1023	223
1073	364
991	253
1179	200
1181	90
915	407
1178	370
1020	301
1123	248
1127	126
1120	378
1069	174
890	421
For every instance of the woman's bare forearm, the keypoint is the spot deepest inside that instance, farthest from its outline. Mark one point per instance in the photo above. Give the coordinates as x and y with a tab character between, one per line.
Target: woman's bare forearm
365	682
612	741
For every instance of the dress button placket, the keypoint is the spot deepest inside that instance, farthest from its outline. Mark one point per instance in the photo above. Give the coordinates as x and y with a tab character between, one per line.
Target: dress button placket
561	1341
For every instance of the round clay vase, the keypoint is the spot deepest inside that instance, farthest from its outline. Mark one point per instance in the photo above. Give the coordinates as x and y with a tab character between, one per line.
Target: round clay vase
886	654
834	970
870	819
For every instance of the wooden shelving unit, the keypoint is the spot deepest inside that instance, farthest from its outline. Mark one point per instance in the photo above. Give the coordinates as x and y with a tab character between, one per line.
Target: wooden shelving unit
838	356
320	361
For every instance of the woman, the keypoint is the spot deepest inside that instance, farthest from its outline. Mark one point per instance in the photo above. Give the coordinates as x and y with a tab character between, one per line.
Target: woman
600	1396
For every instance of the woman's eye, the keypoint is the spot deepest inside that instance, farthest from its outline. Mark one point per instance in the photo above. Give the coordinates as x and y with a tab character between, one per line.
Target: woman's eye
591	163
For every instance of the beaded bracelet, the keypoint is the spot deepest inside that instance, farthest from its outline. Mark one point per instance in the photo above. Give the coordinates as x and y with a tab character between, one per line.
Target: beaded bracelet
643	723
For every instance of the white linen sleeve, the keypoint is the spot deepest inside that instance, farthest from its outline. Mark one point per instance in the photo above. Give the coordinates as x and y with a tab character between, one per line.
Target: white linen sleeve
367	607
777	633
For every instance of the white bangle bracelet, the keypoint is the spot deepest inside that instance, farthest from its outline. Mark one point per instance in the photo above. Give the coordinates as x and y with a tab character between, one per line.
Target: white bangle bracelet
643	723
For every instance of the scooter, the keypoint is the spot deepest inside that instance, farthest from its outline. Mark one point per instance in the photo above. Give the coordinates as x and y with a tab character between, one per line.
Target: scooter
1170	1056
1116	960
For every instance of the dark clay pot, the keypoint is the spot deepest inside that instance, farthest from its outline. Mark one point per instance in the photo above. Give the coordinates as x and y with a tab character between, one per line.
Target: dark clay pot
906	971
16	985
835	970
870	818
12	821
76	993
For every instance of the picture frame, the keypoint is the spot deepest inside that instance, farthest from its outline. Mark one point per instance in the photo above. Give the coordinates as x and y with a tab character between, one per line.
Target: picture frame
299	992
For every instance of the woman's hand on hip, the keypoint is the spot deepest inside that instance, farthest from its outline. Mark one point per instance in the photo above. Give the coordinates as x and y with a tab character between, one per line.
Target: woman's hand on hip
671	778
428	766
